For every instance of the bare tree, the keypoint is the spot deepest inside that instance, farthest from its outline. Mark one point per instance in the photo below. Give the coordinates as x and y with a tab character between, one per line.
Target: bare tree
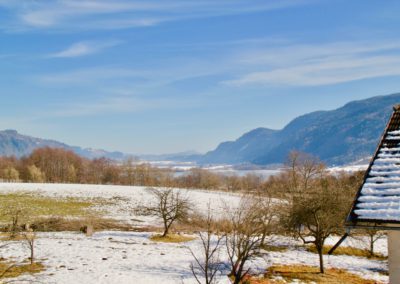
35	174
14	214
317	202
243	238
170	206
317	213
266	215
301	169
11	174
30	238
373	235
209	265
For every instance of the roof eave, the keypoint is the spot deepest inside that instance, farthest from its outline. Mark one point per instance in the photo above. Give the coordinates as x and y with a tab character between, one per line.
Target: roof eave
373	224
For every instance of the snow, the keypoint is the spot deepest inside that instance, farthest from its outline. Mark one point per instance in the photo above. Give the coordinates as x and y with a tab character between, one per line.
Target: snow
385	149
361	266
393	160
383	179
108	257
130	257
382	185
394	132
393	137
380	194
379	214
379	198
347	168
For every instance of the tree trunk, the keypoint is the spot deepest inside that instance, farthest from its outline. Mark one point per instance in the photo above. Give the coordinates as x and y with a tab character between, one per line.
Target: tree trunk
235	273
32	254
321	260
166	229
371	246
264	235
165	232
237	279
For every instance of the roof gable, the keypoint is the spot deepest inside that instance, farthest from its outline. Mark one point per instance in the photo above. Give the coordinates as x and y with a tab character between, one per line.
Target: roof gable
377	203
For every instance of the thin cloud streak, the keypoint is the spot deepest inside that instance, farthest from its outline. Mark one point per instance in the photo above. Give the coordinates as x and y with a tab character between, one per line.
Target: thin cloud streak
84	48
278	64
113	104
91	75
316	65
122	14
165	74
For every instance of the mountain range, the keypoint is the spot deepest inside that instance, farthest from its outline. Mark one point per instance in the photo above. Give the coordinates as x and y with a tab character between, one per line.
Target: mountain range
339	136
15	144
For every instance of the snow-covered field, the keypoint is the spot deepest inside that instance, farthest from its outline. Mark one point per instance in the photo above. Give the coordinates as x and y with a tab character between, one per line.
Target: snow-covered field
124	199
130	257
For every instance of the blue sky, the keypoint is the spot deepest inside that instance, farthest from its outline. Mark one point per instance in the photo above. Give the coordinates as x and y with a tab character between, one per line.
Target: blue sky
168	76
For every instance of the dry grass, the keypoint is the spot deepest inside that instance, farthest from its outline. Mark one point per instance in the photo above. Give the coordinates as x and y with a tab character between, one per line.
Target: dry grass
274	248
32	205
308	274
55	214
198	222
8	237
349	251
172	238
7	270
58	224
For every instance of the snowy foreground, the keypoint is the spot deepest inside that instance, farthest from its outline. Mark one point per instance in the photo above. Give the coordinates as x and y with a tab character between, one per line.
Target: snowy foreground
130	257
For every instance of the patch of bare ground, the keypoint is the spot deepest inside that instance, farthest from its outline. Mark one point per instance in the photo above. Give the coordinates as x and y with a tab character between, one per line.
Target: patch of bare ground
351	251
13	270
307	274
172	238
275	248
59	224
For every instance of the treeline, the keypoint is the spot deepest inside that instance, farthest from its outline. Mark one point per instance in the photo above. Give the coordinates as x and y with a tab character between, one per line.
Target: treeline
55	165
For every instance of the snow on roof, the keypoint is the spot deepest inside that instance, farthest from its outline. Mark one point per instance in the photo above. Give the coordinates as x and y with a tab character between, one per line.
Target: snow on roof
378	200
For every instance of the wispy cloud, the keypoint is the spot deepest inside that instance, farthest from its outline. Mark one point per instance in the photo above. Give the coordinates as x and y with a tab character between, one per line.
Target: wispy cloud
277	63
164	74
84	48
319	64
118	14
114	104
91	75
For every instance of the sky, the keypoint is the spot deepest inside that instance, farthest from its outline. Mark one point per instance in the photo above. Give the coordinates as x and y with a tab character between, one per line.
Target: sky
160	76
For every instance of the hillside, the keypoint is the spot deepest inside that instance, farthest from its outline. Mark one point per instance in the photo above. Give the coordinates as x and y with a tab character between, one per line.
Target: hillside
338	136
15	144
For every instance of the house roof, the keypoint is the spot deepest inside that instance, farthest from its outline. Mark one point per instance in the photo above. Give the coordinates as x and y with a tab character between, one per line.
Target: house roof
377	203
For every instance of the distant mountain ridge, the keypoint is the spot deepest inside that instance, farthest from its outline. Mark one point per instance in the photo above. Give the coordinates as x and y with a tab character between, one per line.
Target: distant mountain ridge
15	144
338	136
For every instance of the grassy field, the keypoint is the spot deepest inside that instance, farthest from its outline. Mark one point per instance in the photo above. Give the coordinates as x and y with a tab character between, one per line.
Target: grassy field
55	214
31	206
